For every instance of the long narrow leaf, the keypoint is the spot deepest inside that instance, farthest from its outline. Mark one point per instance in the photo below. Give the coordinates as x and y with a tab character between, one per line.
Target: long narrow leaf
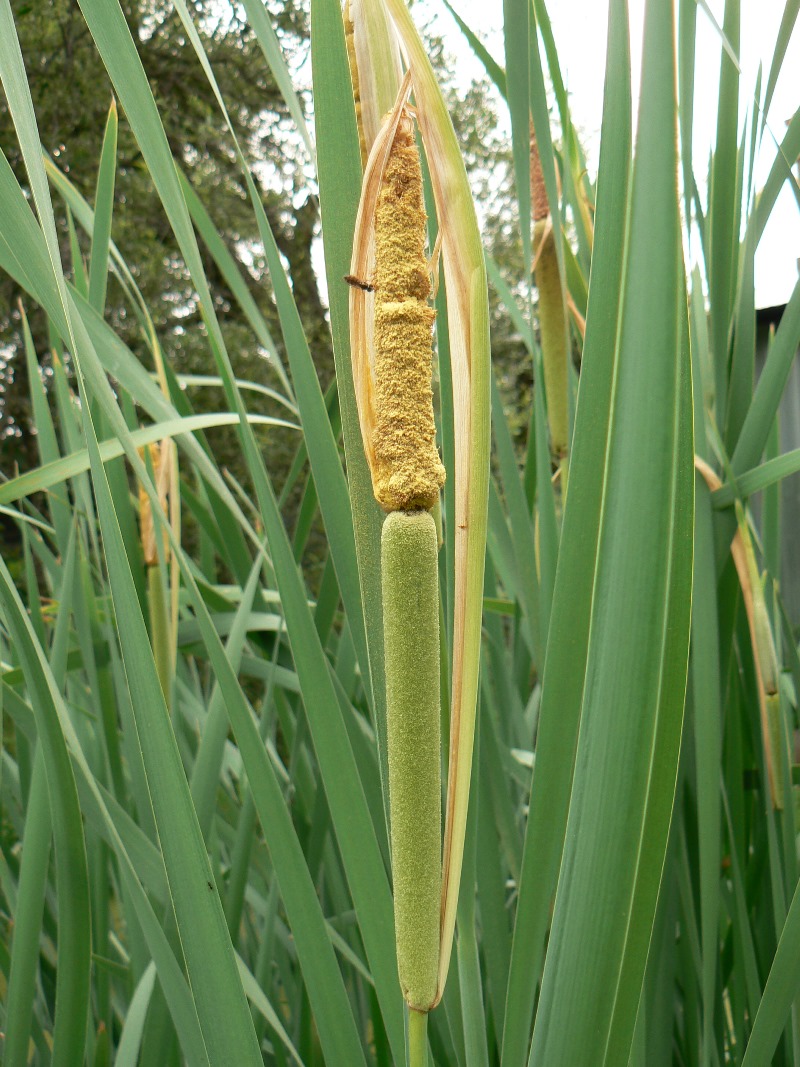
632	703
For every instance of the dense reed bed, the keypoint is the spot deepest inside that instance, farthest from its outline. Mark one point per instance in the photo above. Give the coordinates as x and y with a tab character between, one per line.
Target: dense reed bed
539	748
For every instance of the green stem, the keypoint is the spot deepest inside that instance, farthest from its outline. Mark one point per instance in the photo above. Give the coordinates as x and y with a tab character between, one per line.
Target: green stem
563	480
417	1038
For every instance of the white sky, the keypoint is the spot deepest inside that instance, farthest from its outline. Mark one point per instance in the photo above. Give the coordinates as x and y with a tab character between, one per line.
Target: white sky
579	28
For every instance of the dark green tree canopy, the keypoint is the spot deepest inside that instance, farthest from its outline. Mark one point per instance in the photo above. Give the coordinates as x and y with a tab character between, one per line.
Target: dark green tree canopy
72	93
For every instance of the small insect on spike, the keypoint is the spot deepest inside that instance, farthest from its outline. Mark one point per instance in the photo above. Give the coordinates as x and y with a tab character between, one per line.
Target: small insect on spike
358	284
408	472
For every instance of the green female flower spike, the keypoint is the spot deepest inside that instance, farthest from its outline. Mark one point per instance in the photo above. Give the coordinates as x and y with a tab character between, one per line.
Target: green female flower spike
411	631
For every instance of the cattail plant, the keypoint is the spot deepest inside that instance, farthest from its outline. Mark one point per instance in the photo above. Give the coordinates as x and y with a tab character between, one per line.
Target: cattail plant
267	867
407	477
391	324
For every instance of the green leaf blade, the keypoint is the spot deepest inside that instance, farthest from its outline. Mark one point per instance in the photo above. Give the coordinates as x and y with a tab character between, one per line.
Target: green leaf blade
636	656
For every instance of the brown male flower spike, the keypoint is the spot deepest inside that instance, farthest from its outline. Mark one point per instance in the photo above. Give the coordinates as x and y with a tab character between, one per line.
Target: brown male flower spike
552	314
408	472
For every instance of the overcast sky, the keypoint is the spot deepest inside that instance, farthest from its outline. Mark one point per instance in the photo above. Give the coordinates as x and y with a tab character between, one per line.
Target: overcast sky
579	28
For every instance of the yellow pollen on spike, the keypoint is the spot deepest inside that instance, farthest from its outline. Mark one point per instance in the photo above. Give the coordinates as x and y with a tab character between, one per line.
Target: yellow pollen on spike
408	473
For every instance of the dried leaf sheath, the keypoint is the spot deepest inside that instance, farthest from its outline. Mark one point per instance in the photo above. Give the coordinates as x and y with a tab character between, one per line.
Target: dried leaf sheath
161	458
764	659
408	472
362	265
373	49
350	41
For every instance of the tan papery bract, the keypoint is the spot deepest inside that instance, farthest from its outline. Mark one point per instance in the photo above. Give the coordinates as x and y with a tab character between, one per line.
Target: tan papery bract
161	458
739	554
362	266
380	70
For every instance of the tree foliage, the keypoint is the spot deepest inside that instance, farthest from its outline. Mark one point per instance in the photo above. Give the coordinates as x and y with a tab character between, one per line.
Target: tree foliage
72	93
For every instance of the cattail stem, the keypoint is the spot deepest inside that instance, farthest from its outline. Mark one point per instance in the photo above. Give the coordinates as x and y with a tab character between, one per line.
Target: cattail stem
417	1038
777	739
411	632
